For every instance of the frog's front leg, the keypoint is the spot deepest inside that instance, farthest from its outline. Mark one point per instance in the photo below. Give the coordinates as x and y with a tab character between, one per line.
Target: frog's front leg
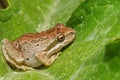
11	53
47	61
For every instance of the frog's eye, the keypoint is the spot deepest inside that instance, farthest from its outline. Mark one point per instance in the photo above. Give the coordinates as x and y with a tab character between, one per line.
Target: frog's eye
60	37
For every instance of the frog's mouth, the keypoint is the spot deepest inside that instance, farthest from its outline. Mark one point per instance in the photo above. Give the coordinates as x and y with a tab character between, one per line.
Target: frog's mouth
69	37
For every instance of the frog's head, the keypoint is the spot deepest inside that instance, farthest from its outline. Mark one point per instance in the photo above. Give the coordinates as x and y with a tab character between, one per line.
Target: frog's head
62	37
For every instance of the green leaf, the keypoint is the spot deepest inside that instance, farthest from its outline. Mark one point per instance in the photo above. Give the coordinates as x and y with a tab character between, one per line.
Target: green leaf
94	55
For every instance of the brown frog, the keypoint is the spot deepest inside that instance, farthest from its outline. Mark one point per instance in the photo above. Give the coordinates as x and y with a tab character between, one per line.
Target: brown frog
34	49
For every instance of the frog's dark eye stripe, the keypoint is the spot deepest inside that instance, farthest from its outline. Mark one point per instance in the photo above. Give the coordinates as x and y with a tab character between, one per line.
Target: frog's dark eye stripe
60	37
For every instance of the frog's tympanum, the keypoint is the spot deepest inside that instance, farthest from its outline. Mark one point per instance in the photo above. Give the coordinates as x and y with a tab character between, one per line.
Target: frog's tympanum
35	49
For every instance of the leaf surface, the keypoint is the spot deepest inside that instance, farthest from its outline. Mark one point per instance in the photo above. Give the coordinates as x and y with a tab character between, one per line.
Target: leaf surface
94	55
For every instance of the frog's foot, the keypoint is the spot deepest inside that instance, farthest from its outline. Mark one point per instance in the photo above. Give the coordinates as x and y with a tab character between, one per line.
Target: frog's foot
47	61
22	67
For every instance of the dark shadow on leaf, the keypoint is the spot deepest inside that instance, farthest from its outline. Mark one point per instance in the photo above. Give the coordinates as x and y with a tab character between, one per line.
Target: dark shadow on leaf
80	13
3	4
112	50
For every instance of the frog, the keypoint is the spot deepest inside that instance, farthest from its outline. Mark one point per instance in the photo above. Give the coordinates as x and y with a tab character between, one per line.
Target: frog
32	50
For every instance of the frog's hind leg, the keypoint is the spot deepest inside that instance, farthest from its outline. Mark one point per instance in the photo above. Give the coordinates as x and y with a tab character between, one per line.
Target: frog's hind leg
13	64
12	55
11	51
47	61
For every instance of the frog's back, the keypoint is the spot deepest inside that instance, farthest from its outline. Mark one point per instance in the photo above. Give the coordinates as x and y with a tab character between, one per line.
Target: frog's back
31	44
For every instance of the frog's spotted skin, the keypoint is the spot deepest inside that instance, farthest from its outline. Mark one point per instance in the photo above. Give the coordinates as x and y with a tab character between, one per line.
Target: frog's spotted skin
34	49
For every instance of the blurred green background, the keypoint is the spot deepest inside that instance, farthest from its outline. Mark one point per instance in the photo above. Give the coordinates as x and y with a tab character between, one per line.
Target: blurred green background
94	55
